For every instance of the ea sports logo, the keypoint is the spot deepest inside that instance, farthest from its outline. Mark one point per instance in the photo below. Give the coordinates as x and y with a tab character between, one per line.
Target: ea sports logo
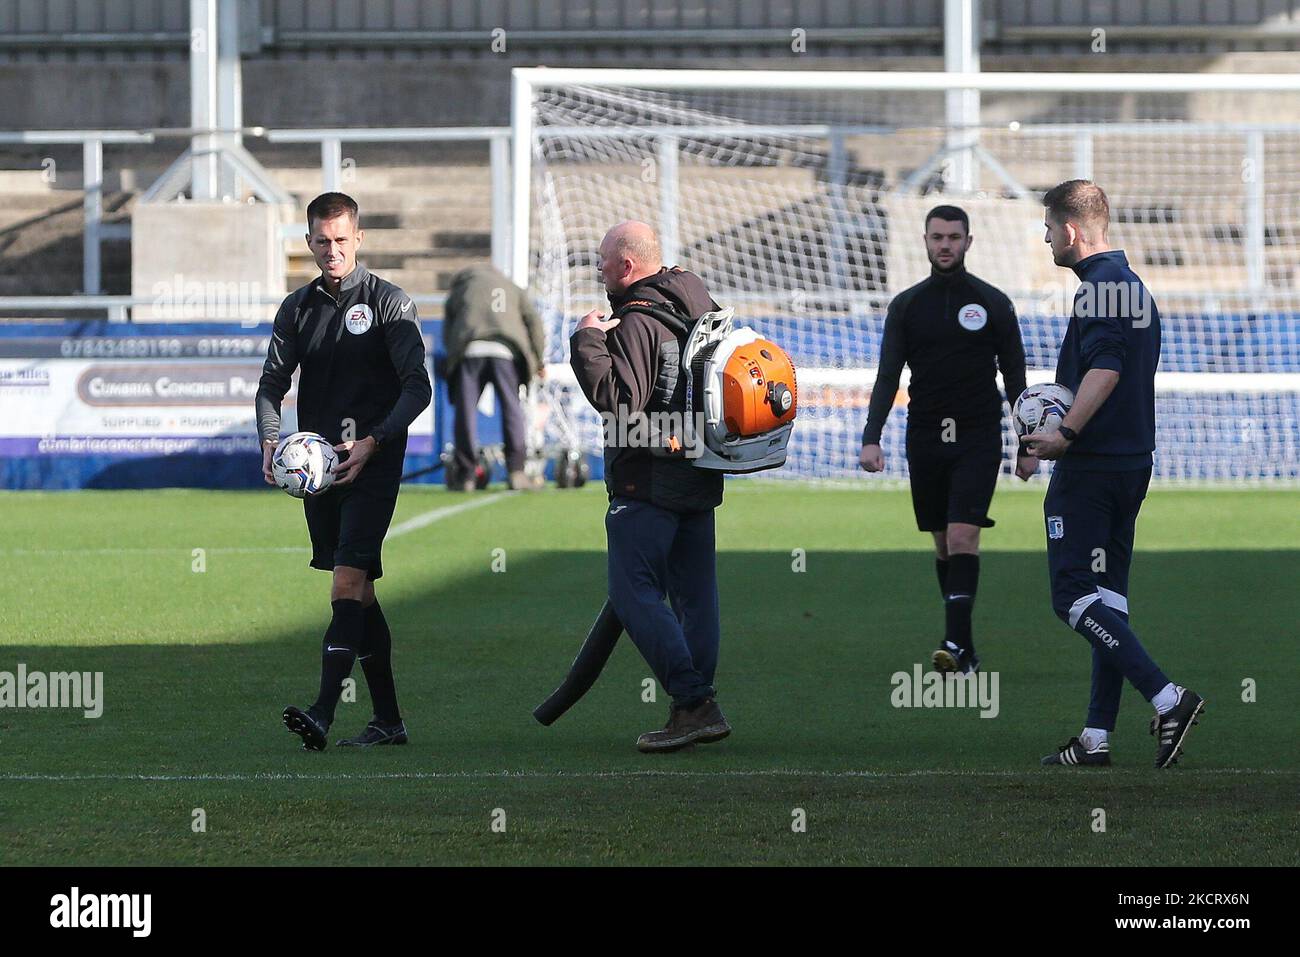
972	316
358	319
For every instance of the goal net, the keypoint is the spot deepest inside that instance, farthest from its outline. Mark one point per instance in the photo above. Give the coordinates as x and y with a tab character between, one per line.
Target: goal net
800	198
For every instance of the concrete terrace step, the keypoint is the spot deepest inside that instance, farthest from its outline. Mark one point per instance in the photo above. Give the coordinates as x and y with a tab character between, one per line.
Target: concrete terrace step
391	257
421	278
363	178
16	205
428	221
415	241
418	259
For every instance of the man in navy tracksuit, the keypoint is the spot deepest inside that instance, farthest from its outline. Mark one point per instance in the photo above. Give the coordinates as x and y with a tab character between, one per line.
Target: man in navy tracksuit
1103	466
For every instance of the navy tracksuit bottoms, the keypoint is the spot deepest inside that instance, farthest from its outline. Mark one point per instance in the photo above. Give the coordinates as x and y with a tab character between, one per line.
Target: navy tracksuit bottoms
656	553
1090	519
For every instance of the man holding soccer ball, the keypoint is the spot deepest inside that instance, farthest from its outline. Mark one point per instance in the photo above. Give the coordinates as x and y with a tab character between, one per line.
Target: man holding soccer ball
356	339
955	332
1102	449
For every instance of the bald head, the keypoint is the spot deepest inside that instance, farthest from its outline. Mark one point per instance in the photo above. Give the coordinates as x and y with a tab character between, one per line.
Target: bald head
628	253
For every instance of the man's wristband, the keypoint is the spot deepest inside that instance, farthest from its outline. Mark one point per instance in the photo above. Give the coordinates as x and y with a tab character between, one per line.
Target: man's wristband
1068	433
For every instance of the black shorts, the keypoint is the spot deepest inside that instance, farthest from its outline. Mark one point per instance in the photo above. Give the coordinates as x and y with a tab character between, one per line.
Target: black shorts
347	523
953	481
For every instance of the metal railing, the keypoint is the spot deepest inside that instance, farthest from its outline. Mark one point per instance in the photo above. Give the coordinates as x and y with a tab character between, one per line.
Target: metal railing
666	143
95	231
331	160
92	184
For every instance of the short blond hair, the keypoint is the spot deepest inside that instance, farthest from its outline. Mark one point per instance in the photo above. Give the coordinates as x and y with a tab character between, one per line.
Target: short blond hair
1081	201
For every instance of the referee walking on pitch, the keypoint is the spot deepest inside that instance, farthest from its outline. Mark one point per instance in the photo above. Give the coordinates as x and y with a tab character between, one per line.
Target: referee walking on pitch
357	341
659	523
955	332
1103	461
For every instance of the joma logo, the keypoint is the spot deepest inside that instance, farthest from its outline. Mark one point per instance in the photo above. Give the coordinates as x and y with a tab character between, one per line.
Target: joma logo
1107	639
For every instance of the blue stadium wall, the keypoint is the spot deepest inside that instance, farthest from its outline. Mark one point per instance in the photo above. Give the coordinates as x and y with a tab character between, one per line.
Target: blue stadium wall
230	461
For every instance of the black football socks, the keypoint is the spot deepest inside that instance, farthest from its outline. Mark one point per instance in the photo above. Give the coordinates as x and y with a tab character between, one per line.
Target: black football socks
377	664
338	653
941	572
961	582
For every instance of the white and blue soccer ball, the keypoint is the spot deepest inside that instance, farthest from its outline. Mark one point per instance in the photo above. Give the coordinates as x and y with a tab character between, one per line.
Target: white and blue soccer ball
1041	408
303	464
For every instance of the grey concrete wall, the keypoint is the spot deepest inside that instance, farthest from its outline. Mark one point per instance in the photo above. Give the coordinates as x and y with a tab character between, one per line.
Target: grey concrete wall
367	94
96	31
206	260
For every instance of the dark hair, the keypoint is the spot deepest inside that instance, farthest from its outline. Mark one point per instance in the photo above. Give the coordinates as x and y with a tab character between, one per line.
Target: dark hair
330	206
950	214
1080	200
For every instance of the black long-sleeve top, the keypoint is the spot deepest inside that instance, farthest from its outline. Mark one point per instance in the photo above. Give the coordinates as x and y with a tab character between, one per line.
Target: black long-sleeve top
1115	325
362	360
955	332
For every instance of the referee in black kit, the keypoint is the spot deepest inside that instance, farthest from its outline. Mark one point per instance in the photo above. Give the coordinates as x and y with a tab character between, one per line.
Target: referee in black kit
357	341
955	332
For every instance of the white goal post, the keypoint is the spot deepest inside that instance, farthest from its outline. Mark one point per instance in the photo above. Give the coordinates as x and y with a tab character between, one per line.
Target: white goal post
799	198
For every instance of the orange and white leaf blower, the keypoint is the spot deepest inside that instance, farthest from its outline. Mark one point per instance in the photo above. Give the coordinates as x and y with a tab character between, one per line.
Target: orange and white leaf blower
742	388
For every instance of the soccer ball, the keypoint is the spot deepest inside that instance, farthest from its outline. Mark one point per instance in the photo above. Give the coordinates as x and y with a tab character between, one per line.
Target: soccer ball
303	464
1041	408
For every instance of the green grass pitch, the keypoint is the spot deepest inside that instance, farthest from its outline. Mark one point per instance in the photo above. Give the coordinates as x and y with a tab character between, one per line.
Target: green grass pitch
198	665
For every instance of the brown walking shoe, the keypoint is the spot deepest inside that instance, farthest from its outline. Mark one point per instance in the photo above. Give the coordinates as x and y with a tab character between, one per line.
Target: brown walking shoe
703	724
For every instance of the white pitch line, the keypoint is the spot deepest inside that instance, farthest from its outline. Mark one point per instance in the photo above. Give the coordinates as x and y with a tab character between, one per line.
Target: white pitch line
592	775
438	514
147	550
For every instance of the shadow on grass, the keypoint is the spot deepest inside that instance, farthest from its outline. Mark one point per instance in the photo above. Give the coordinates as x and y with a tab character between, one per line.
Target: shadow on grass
805	673
805	678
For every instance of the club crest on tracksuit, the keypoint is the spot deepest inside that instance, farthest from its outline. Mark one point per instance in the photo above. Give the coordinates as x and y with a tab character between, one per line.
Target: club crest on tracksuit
1055	527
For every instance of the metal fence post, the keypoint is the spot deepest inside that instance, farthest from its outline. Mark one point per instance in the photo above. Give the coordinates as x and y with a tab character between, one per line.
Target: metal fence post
500	161
230	92
331	163
961	54
92	183
203	99
1083	154
837	171
669	238
1254	212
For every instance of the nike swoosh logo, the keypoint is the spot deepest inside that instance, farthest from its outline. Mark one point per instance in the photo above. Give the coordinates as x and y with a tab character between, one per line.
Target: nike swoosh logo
616	510
406	305
332	648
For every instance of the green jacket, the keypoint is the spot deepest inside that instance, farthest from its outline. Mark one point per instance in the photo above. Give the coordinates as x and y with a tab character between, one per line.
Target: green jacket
483	304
